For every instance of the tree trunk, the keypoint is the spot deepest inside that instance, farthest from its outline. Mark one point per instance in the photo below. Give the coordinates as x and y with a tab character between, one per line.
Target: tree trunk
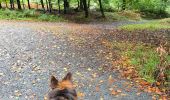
42	4
81	5
28	1
50	6
85	8
124	5
47	5
59	10
66	6
6	4
88	3
23	5
12	4
0	5
101	8
19	4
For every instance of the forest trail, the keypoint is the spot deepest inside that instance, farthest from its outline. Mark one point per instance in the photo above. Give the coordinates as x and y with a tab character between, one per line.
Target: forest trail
30	52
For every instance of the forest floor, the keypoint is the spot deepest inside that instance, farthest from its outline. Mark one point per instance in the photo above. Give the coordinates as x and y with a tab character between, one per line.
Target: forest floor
30	52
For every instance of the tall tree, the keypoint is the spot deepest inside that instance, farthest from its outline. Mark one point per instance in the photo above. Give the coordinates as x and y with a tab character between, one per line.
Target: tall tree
85	8
47	5
66	6
50	5
81	5
19	4
42	4
0	4
6	3
101	8
59	10
28	1
23	5
12	4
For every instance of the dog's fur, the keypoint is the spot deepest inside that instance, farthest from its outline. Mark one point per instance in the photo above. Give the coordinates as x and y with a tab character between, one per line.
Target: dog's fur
63	90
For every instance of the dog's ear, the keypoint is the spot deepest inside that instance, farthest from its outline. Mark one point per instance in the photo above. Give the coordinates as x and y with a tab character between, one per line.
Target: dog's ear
68	77
53	82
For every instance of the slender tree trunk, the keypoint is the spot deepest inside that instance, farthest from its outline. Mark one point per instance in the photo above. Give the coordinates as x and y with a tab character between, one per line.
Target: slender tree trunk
28	1
23	5
0	5
124	5
81	5
101	8
42	4
19	4
50	5
12	4
6	4
85	8
78	4
47	5
59	10
66	5
89	3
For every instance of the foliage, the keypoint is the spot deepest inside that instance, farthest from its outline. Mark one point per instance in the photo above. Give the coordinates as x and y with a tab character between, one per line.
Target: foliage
153	25
27	15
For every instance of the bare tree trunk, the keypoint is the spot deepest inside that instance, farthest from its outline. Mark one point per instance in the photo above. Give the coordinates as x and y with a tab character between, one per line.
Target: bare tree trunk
42	4
12	4
85	8
28	1
0	5
88	3
81	5
19	4
101	8
59	10
47	5
50	6
66	6
23	5
6	4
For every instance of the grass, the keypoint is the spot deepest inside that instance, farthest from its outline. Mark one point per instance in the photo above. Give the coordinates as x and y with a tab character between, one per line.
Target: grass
143	58
153	25
28	15
94	16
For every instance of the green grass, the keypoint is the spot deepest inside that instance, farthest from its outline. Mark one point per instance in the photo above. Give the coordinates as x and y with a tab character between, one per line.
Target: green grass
144	58
28	15
94	16
154	25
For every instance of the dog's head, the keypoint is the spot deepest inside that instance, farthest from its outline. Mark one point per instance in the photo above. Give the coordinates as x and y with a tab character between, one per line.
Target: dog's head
62	90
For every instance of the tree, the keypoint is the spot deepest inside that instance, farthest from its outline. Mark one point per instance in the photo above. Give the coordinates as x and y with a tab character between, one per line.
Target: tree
28	1
42	4
85	8
47	5
19	4
0	4
50	6
6	4
101	8
66	6
81	5
12	4
59	7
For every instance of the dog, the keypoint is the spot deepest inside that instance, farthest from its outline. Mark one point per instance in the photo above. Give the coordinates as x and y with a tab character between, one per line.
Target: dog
62	90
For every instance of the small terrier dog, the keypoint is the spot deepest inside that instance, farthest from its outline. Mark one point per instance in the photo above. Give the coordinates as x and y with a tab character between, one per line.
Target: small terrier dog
62	90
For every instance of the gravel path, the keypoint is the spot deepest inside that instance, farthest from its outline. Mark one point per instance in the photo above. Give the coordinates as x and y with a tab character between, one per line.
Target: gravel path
30	52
